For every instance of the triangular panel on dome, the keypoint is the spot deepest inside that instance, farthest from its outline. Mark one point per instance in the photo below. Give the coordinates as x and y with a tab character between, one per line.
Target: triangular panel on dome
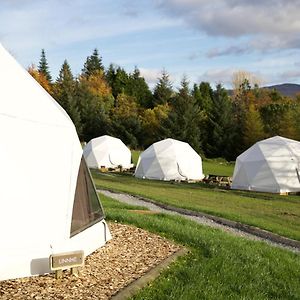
264	178
152	169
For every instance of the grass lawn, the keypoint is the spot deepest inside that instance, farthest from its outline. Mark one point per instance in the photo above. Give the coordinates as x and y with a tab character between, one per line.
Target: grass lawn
279	214
210	166
217	167
135	156
219	266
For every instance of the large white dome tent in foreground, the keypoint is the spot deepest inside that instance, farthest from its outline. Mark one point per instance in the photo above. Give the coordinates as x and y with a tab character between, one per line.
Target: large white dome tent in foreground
170	159
107	151
48	204
271	165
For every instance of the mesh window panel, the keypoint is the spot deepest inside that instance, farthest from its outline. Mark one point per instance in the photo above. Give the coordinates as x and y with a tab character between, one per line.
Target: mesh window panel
87	209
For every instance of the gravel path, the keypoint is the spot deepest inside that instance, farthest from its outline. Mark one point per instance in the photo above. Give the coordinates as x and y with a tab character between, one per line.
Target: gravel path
133	200
130	254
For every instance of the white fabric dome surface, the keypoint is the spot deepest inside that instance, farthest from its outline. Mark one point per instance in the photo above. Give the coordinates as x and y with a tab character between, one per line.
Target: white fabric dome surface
107	151
271	165
40	156
170	159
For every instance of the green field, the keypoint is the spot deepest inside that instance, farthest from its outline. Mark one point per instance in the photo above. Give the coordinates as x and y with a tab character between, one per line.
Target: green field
278	214
218	266
210	166
135	156
217	167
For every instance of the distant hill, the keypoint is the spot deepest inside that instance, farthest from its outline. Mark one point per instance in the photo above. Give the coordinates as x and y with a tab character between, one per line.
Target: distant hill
286	89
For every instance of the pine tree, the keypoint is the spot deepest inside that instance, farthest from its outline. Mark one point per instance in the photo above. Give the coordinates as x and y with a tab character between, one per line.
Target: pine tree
93	64
43	67
64	93
163	90
254	129
288	124
139	89
205	97
94	117
185	118
220	129
118	79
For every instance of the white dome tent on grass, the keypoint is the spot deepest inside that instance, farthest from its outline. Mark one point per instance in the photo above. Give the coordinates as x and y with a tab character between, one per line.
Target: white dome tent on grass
107	151
48	203
170	159
271	165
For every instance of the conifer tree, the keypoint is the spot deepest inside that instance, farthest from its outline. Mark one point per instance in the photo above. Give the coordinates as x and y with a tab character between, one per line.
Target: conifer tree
139	89
118	80
43	67
94	116
185	118
163	90
254	129
288	124
64	93
93	64
220	130
205	96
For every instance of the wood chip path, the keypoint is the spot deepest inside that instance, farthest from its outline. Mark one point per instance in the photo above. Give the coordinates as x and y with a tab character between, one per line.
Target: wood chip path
130	254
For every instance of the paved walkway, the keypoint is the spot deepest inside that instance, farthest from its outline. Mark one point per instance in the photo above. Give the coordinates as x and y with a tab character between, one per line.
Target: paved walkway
211	221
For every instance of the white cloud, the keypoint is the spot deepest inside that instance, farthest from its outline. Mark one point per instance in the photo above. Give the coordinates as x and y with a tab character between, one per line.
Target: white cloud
51	23
216	76
232	50
267	24
225	75
289	75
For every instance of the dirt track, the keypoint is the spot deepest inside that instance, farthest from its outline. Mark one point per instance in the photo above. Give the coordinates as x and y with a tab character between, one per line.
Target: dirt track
235	228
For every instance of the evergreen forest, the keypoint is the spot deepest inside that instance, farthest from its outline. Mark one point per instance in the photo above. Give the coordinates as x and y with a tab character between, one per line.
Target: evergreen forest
214	122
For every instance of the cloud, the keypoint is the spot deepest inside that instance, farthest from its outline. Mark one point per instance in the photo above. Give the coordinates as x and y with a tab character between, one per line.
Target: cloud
232	50
51	23
272	23
289	75
151	76
223	76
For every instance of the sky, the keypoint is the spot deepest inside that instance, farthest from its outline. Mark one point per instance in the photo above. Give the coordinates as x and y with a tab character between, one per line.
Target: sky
200	39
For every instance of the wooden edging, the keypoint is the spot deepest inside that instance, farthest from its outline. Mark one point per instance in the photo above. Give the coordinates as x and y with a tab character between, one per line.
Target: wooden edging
264	234
141	282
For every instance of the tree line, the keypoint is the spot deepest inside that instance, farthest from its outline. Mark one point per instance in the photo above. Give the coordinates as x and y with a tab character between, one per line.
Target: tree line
215	123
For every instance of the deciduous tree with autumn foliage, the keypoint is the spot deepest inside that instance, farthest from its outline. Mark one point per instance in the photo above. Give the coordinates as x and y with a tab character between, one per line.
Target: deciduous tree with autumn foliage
116	102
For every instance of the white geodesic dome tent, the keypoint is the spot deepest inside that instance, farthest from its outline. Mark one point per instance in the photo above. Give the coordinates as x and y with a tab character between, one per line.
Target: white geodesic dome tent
48	203
107	151
271	165
170	159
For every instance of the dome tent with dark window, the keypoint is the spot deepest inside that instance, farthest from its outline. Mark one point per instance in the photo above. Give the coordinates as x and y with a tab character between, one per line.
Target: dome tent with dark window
107	151
271	165
170	159
48	203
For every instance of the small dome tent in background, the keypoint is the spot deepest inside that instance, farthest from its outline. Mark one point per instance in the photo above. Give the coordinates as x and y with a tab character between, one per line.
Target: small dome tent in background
107	151
48	203
169	159
271	165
